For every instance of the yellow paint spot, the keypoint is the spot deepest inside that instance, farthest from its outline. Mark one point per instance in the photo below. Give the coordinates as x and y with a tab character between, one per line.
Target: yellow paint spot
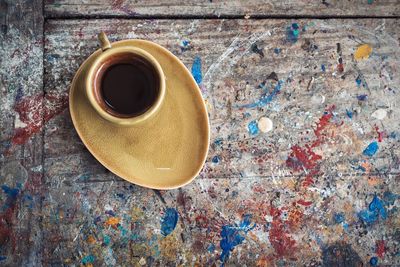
89	265
91	240
113	221
363	52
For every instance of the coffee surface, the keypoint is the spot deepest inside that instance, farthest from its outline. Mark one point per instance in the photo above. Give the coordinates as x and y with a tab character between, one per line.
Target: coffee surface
129	88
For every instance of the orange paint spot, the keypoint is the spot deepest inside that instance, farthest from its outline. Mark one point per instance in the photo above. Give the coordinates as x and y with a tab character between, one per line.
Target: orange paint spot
112	221
91	240
89	265
363	52
366	166
373	181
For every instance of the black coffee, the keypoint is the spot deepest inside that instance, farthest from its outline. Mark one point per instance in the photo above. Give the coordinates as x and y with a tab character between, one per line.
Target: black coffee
129	88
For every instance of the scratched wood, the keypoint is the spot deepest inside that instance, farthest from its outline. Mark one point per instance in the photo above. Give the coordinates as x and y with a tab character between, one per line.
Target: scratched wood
21	143
221	8
320	188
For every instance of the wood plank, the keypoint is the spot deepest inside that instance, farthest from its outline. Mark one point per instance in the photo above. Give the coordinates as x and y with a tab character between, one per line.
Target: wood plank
21	143
163	8
306	184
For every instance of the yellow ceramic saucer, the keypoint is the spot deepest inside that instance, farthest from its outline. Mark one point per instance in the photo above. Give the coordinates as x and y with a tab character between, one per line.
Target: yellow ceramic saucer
165	153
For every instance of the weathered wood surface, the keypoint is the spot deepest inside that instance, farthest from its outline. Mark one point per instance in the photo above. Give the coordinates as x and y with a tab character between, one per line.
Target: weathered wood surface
21	143
320	188
164	8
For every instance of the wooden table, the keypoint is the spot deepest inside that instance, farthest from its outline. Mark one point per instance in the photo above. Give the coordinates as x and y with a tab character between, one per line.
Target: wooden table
319	188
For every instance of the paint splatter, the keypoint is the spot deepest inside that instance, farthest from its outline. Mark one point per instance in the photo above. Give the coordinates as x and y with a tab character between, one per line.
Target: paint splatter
279	235
112	221
169	221
363	52
375	210
255	49
362	97
33	111
323	68
185	45
266	99
277	51
370	2
379	133
371	149
292	33
339	217
373	261
380	248
340	66
349	113
358	81
88	259
215	159
232	236
196	70
253	128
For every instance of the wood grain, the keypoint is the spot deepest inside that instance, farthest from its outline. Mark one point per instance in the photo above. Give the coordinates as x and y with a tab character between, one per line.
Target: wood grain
21	143
217	8
300	194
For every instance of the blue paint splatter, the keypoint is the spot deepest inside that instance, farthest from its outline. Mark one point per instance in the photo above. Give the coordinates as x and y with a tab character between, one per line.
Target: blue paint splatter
370	2
215	159
2	258
362	97
169	221
218	141
338	217
375	210
232	236
389	198
277	51
349	113
120	195
196	70
19	95
323	68
110	212
358	81
253	128
266	99
106	240
371	149
374	260
211	248
292	33
11	192
88	259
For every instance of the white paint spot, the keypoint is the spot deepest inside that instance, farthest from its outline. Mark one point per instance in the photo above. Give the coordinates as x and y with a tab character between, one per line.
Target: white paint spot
108	207
318	99
379	114
18	123
142	261
265	124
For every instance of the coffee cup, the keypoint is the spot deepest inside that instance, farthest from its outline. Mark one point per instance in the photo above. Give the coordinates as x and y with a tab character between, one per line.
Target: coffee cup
125	84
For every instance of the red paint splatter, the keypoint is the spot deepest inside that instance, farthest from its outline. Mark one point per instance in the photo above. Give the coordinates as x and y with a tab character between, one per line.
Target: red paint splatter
380	248
305	158
36	110
380	134
279	236
304	203
324	121
340	67
301	158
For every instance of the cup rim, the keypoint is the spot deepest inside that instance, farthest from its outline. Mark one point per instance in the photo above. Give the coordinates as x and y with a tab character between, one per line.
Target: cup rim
91	75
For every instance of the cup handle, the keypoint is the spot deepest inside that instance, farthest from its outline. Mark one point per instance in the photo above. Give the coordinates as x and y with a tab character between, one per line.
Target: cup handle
104	42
